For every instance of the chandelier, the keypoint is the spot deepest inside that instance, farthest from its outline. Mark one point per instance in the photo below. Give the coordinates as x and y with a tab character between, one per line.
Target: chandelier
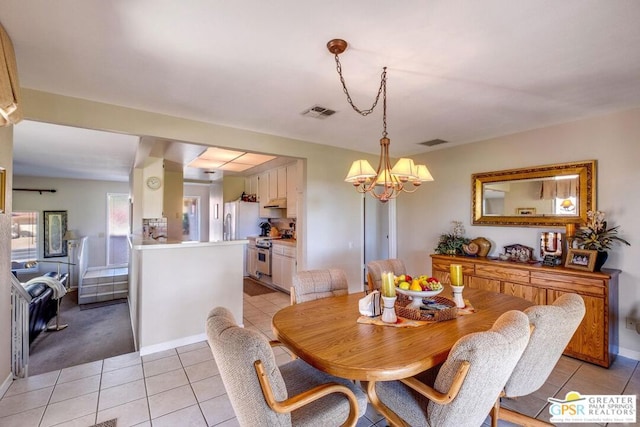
386	182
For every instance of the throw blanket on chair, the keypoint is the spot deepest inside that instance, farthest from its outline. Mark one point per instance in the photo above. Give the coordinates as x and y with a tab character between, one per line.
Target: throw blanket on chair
56	286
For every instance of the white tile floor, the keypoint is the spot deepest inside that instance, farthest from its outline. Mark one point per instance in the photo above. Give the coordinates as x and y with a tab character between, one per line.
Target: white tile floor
182	387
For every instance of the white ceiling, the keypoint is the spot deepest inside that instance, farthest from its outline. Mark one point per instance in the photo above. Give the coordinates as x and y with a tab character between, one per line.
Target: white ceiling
461	71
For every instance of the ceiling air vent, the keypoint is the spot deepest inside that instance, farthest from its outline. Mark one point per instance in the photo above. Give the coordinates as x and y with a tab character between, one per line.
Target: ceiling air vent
433	142
318	112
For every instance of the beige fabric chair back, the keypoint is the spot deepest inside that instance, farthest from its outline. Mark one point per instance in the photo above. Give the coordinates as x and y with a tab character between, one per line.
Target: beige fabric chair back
235	350
314	284
375	269
491	356
554	325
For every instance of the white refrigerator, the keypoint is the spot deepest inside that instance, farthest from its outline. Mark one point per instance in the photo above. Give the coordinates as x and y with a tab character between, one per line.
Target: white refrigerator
241	219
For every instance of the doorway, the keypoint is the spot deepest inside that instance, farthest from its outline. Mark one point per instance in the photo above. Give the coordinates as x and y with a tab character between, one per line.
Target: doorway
378	230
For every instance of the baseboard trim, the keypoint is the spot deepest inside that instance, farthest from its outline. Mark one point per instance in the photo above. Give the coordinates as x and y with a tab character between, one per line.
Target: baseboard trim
630	354
172	344
6	384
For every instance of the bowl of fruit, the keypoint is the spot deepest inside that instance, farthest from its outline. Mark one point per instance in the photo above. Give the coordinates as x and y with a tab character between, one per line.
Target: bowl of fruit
418	287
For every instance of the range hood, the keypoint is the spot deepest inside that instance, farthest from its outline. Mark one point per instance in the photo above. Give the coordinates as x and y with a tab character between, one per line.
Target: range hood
280	203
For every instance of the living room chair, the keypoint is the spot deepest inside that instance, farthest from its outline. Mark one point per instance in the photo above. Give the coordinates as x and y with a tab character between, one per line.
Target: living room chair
315	284
263	393
553	327
375	269
468	382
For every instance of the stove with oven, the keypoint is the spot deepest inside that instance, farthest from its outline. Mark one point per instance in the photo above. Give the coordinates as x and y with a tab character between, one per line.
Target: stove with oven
263	249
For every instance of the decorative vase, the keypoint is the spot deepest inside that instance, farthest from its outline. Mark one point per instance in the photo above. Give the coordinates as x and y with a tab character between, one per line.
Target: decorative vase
457	296
601	258
484	246
389	311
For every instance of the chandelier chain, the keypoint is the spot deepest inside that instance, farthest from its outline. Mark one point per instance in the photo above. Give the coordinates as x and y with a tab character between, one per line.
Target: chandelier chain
381	89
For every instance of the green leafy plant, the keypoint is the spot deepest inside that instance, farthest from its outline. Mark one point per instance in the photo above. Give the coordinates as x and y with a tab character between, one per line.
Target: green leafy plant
451	243
596	236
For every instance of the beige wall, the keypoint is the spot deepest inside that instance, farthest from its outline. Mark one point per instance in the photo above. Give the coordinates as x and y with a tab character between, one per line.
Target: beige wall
6	161
613	140
85	202
232	188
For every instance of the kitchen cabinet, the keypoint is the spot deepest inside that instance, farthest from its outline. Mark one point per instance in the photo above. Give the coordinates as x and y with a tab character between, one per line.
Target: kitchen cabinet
251	185
263	194
273	183
281	191
283	265
595	341
292	190
278	183
268	190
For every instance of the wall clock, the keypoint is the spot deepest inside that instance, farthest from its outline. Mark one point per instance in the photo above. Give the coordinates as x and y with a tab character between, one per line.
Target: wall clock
153	182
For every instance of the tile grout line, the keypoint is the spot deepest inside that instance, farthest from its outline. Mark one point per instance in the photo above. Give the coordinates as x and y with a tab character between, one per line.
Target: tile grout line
559	388
146	390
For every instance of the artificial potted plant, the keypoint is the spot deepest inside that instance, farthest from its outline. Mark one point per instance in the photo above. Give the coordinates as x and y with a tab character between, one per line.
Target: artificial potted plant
596	236
451	243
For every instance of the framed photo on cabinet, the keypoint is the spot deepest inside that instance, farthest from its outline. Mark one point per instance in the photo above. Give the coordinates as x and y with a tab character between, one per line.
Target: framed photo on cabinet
581	259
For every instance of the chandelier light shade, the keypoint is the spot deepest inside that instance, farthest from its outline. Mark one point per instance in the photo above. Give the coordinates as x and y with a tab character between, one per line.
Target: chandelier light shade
386	182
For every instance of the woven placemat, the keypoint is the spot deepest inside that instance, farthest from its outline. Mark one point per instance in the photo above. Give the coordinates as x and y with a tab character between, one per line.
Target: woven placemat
409	323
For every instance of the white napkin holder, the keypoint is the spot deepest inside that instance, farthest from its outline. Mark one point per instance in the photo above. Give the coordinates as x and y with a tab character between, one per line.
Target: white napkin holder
370	304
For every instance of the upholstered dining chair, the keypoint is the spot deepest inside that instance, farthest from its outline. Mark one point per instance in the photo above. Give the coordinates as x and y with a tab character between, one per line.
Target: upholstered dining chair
468	382
375	269
265	394
553	326
310	285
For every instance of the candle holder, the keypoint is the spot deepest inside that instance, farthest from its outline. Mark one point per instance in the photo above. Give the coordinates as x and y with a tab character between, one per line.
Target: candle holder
455	274
457	296
389	311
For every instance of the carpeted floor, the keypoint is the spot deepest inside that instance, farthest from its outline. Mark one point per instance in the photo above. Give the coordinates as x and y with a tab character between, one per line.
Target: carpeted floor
92	335
253	288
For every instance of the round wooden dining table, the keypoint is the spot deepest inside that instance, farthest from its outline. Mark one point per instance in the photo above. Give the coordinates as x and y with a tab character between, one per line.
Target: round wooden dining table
326	334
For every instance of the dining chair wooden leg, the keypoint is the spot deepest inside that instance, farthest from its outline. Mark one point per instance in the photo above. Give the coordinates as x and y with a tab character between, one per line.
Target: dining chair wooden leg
495	413
520	419
392	418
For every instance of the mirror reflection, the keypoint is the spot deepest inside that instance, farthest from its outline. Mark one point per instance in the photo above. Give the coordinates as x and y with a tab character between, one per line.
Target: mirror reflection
544	196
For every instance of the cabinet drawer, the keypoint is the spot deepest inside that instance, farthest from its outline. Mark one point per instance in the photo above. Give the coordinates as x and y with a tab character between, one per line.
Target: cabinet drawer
484	284
284	250
502	273
530	293
569	283
443	265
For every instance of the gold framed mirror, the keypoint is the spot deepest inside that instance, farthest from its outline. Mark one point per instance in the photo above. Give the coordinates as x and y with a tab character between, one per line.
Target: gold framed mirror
540	196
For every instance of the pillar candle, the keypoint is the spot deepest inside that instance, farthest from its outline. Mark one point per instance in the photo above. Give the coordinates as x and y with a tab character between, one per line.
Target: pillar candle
388	287
456	274
570	230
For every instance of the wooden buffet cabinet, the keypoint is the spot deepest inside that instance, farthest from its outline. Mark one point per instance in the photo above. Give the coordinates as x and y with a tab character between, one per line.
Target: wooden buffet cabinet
595	341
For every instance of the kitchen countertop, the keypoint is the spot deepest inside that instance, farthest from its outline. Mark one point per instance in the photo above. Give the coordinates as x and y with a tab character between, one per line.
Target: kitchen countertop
285	242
